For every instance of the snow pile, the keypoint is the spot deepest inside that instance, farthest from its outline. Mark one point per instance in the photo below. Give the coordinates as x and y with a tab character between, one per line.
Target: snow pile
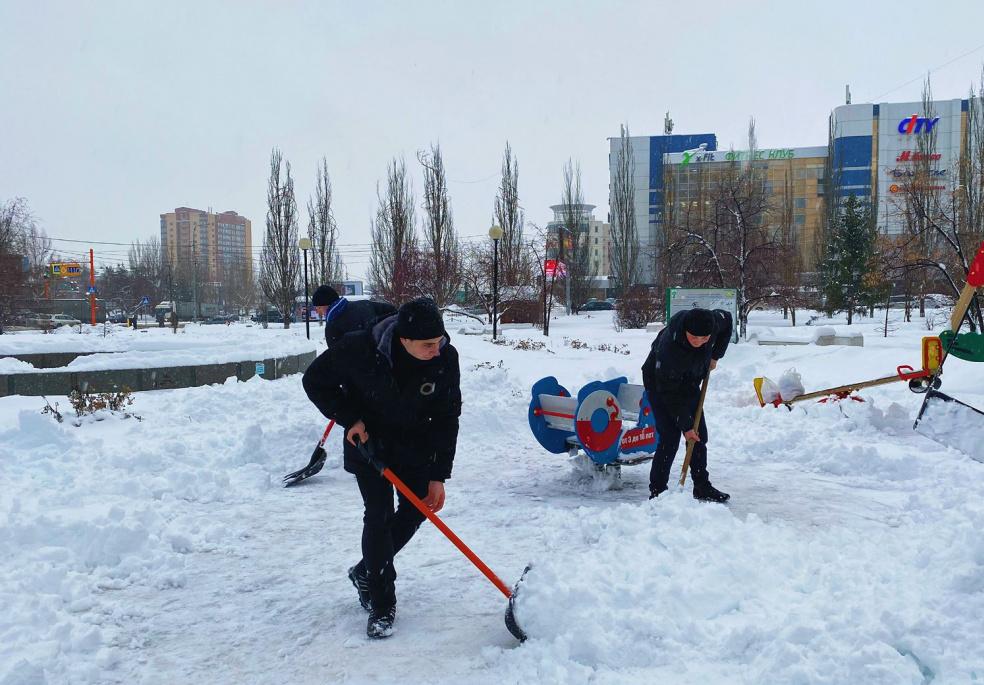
686	592
11	365
158	347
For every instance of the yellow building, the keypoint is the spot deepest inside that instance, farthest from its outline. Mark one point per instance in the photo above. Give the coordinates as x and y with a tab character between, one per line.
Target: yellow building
220	243
792	179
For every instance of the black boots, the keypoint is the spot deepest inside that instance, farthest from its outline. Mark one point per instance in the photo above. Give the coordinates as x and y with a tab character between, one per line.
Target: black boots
655	492
361	582
381	623
705	492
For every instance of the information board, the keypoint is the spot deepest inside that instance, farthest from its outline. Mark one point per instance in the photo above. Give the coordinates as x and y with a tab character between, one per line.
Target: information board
679	299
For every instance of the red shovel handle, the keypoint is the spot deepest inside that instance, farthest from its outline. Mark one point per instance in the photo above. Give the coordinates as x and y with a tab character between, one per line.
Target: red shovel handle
448	533
369	456
331	424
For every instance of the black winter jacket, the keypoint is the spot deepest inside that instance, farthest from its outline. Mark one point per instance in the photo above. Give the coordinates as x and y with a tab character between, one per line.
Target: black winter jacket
413	423
354	316
674	369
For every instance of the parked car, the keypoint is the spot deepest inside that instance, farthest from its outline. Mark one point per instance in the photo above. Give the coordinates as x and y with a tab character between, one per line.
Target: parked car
118	317
53	320
597	306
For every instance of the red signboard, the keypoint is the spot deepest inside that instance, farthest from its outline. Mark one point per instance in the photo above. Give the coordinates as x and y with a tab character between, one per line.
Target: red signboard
554	268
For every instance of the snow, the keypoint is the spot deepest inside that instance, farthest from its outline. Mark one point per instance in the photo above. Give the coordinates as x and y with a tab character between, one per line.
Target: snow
123	348
165	550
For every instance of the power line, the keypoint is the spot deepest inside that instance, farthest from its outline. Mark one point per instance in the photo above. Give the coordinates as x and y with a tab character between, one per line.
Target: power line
945	64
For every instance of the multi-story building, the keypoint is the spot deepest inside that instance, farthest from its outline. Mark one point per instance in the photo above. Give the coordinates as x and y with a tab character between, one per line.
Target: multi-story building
791	178
874	150
219	242
647	153
595	234
877	148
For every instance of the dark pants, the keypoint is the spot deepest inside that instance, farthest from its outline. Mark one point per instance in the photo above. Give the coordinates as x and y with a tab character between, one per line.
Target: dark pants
669	442
385	531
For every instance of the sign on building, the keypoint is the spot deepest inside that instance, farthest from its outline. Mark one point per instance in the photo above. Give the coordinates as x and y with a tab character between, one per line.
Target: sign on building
680	299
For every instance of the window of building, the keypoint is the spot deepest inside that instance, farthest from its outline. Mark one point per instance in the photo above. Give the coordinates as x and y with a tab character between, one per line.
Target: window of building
799	219
799	174
799	203
596	241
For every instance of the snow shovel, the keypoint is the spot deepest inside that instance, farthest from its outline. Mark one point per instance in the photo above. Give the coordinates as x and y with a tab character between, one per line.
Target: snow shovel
952	423
511	625
691	443
318	458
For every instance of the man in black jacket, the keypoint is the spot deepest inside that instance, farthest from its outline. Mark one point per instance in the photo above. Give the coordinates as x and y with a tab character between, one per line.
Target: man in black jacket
342	316
684	351
395	387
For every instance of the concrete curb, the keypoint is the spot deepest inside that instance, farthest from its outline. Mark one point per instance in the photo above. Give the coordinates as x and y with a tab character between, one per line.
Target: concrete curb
111	380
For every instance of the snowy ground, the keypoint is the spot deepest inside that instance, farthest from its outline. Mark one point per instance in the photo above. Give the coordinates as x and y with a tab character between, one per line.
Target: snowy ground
164	550
118	347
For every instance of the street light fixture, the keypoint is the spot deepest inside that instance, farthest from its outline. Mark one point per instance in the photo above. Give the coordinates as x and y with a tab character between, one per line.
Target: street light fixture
495	232
305	245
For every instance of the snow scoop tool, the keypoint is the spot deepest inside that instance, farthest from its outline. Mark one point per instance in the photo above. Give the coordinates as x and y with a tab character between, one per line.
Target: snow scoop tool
941	417
317	461
691	443
511	624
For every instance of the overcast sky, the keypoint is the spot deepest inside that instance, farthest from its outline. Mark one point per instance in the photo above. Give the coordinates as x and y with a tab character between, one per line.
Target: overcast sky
114	112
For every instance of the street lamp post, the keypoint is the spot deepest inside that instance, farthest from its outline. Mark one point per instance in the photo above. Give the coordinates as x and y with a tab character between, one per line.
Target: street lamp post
305	245
496	234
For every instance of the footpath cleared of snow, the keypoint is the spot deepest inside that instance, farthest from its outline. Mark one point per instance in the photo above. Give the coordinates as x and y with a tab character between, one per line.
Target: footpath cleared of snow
164	550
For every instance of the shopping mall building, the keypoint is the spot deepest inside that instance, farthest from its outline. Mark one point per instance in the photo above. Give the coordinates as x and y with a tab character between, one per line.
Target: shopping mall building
873	148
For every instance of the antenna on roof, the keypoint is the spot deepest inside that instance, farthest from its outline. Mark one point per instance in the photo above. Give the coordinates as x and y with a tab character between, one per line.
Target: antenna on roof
847	94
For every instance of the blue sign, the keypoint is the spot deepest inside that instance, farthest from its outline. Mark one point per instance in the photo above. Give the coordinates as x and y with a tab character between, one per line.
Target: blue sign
144	301
91	290
260	368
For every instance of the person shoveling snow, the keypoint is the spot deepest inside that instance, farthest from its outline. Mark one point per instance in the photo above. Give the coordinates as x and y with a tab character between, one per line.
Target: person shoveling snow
682	355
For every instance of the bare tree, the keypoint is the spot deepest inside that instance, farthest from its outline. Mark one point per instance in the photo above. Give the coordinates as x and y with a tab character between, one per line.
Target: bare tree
326	263
941	226
280	258
394	257
724	235
440	270
574	242
16	224
515	263
546	282
624	236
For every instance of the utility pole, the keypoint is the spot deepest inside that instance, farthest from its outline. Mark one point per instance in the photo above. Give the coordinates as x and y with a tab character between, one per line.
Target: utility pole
194	281
92	288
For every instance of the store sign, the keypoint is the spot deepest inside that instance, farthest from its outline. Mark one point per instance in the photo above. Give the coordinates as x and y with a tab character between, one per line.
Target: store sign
552	268
736	155
896	188
917	124
65	269
899	172
910	156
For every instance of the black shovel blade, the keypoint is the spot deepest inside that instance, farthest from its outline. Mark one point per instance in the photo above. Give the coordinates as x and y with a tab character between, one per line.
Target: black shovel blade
950	422
512	625
318	458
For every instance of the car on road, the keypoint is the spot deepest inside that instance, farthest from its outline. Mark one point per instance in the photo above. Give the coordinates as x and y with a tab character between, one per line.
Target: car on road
597	306
54	320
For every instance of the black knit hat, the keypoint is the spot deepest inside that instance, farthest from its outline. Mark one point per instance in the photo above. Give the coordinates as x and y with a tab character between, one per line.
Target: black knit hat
699	322
324	296
419	319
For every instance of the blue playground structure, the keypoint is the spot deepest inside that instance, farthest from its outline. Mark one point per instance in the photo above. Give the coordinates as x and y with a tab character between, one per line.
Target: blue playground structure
612	421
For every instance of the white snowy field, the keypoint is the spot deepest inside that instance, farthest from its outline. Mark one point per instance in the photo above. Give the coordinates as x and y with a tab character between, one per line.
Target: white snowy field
165	551
118	347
